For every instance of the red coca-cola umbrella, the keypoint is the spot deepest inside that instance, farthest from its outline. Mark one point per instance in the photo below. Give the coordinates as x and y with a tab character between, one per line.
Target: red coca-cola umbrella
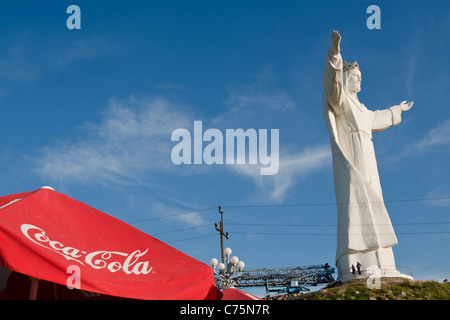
49	242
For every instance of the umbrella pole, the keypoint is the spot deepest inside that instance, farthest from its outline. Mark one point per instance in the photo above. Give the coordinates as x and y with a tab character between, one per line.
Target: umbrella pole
54	291
34	288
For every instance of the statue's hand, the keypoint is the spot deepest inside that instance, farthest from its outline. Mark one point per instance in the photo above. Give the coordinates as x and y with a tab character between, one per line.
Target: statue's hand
405	106
335	42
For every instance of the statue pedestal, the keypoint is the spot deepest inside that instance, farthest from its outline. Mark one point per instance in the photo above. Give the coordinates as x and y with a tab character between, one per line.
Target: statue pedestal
379	263
380	274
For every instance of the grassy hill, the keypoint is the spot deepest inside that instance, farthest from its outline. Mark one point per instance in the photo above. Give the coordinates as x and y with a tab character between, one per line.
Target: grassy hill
390	289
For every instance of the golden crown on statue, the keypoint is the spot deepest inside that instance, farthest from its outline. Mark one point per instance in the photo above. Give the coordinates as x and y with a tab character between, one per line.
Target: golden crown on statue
349	66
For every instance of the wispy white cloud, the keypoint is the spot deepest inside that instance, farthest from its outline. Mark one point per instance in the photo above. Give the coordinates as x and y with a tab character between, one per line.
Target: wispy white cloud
132	138
293	167
436	137
253	103
186	215
132	141
439	135
411	73
16	65
440	195
261	95
82	49
20	60
255	96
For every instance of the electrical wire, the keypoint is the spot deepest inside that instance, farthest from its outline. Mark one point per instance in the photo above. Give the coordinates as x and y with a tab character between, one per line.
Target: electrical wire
330	203
331	234
193	238
333	225
288	225
172	215
184	229
284	205
299	234
300	225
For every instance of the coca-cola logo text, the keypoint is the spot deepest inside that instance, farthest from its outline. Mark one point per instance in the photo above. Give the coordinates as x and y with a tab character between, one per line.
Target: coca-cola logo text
112	261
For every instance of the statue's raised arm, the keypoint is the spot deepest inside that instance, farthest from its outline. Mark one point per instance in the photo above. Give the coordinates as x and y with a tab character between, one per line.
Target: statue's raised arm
335	43
332	76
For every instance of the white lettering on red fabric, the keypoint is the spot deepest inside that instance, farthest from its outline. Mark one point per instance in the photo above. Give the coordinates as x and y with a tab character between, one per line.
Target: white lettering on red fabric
112	261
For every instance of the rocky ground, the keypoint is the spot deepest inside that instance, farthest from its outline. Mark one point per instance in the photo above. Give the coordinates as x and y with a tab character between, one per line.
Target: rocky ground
389	289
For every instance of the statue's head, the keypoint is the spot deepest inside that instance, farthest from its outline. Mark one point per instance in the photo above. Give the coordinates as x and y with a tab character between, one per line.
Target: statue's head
352	77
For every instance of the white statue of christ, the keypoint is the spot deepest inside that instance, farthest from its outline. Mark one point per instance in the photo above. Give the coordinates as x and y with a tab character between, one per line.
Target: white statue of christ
364	230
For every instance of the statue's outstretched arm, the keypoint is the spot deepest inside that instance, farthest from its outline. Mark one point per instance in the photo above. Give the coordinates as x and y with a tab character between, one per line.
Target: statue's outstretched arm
383	119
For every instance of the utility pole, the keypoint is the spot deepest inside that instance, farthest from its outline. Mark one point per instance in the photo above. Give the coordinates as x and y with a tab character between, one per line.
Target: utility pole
222	234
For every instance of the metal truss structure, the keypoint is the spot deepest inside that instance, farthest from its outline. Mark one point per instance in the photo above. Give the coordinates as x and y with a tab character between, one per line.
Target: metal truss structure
285	280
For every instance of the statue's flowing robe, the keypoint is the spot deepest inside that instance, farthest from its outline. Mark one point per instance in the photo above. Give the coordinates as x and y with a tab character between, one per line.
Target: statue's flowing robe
363	221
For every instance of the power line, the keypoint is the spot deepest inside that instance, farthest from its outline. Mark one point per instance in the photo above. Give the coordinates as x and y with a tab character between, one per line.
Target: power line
172	215
303	234
332	234
205	236
285	205
330	203
299	225
184	229
286	225
333	225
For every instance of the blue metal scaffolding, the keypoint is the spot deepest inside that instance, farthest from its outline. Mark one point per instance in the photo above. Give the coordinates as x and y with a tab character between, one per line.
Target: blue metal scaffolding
285	280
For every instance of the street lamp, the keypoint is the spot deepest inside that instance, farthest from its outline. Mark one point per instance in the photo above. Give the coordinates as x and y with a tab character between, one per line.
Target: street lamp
227	271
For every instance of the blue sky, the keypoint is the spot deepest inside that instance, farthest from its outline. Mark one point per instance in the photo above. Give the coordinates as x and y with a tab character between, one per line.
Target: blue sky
90	112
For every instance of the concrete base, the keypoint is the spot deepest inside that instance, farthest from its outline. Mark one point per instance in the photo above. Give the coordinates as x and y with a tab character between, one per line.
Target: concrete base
379	263
382	274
